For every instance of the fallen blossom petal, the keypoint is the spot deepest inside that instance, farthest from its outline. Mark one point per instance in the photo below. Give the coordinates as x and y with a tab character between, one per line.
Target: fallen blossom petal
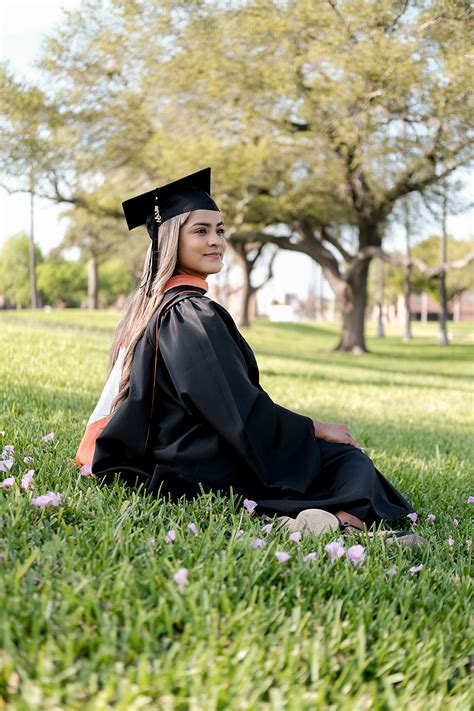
193	528
416	568
9	449
431	517
48	437
27	459
170	536
2	432
54	497
356	554
257	543
468	543
295	537
6	464
455	522
470	499
86	470
27	479
151	541
8	482
450	541
309	556
282	556
181	578
335	550
238	533
250	505
412	517
393	570
50	498
267	528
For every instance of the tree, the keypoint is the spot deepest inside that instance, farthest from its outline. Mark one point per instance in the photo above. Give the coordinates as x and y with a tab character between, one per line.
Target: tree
62	282
14	269
327	114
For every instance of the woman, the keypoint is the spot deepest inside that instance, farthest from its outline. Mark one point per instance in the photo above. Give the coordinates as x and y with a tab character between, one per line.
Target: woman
189	411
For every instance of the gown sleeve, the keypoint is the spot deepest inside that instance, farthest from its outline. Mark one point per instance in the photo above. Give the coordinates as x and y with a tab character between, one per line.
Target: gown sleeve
211	378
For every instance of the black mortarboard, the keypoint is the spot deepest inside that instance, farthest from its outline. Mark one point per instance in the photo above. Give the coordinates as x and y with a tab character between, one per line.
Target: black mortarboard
184	195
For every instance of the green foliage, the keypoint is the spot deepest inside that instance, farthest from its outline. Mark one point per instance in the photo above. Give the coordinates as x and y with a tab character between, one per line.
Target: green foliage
91	618
62	281
14	269
115	280
456	281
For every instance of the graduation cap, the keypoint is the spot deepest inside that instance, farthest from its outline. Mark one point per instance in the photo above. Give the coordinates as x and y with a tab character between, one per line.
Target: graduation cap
184	195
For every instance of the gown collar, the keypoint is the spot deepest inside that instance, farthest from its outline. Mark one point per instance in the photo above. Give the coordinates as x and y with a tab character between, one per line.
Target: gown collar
186	279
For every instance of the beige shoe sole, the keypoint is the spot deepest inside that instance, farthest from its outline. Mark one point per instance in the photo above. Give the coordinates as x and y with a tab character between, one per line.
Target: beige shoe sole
311	521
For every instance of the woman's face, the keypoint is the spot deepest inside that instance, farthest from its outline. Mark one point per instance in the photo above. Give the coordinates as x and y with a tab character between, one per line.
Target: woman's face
201	244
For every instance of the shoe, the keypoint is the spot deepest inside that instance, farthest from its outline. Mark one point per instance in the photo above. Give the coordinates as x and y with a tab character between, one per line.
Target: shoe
407	538
311	521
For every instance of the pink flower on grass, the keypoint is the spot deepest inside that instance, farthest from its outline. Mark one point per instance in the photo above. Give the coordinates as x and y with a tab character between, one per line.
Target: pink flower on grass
257	543
416	568
295	537
181	578
193	528
8	482
27	459
48	437
450	541
250	505
267	528
27	479
455	522
86	470
50	498
8	449
356	554
470	499
468	544
335	550
431	517
309	556
393	570
151	541
412	517
6	465
2	432
282	556
170	536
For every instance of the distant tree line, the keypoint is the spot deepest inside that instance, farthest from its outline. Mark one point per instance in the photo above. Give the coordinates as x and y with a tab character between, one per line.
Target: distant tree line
319	119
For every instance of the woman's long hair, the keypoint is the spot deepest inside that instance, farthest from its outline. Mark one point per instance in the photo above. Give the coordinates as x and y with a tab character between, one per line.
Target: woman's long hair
139	307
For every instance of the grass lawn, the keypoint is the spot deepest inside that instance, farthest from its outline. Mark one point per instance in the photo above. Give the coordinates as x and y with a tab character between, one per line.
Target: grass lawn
91	615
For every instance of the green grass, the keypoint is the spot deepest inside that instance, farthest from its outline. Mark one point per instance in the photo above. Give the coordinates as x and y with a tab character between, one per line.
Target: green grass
91	617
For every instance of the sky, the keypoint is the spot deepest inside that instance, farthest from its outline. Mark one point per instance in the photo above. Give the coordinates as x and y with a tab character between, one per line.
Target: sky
23	23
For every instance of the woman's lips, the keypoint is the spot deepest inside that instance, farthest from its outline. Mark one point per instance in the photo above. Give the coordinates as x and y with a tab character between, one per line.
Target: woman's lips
213	256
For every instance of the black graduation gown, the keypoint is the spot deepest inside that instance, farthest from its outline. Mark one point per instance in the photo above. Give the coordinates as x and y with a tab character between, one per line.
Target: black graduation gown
212	424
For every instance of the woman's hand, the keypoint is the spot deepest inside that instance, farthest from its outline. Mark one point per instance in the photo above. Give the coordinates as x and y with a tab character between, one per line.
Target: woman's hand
335	432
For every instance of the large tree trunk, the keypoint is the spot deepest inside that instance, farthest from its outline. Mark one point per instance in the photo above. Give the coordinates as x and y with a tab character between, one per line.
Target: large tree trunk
353	311
92	283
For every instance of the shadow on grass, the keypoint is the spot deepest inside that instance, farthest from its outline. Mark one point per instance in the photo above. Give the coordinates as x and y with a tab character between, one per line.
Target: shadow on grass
322	378
344	360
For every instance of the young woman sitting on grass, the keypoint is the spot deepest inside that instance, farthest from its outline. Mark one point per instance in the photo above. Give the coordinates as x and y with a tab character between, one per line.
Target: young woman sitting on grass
183	407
